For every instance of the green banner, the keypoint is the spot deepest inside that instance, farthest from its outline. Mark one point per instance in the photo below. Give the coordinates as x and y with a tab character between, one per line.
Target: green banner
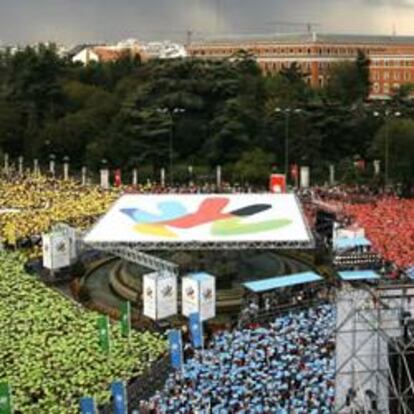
5	399
126	319
103	326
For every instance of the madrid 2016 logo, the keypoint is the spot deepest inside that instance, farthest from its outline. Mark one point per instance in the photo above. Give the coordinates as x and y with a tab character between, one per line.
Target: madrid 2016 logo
174	215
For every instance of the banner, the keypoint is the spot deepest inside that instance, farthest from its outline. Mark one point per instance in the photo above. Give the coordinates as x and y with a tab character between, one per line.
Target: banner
117	178
199	295
150	295
176	348
166	295
207	297
56	250
119	398
125	319
196	329
87	405
5	399
160	295
304	177
277	183
105	178
103	326
190	296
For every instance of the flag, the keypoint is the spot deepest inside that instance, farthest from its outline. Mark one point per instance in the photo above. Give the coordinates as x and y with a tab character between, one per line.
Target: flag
126	319
196	329
119	397
103	326
87	405
176	348
5	399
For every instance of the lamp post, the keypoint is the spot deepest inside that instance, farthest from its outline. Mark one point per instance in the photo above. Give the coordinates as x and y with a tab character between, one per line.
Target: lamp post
287	113
171	112
387	114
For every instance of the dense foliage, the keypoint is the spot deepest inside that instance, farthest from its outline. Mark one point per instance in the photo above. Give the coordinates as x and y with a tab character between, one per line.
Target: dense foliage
210	112
49	351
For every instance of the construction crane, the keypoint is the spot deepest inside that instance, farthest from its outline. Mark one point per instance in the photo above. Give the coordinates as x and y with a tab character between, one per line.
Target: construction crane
309	26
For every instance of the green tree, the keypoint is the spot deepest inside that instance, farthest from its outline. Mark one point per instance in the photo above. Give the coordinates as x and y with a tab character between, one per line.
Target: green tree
349	81
254	166
395	141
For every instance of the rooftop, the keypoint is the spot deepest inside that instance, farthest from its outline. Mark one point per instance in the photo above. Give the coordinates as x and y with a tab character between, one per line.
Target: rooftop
311	38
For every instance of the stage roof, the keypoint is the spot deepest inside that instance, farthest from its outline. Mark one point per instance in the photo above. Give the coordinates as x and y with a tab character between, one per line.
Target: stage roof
282	281
359	275
345	243
213	221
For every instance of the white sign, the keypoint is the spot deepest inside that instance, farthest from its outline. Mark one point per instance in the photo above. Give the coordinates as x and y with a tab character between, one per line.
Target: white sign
265	217
56	250
199	295
150	295
304	177
160	295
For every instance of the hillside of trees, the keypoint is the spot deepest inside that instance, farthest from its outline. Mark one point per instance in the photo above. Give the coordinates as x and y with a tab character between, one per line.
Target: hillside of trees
209	112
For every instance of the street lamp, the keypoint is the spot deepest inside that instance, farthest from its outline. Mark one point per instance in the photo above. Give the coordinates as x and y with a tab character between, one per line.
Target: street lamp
387	114
287	112
171	112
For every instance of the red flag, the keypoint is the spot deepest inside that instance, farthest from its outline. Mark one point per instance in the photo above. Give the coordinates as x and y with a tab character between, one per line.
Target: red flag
294	171
118	181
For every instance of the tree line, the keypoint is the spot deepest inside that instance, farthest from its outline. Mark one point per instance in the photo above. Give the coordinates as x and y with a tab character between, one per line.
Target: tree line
201	113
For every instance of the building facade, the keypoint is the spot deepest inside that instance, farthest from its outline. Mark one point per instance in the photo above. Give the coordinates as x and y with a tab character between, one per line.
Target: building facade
391	57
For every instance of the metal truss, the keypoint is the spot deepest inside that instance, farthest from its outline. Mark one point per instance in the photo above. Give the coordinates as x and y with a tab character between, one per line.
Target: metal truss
130	252
198	245
372	327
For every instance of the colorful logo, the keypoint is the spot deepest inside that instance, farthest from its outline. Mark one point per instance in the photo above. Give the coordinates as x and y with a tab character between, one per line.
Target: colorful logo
208	294
174	215
190	293
148	293
167	291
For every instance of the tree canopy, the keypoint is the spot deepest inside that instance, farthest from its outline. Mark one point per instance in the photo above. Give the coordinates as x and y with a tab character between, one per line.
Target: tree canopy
209	112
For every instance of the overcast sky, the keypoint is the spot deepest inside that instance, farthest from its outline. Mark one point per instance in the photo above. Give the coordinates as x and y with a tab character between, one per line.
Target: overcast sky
74	21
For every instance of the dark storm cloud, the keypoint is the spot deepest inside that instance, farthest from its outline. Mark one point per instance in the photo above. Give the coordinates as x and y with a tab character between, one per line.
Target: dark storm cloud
74	21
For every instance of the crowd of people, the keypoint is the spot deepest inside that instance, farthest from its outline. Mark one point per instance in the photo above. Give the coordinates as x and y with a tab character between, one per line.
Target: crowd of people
284	367
389	225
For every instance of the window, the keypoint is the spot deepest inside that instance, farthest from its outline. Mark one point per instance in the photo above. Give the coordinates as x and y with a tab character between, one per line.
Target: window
396	75
376	87
386	88
386	75
375	76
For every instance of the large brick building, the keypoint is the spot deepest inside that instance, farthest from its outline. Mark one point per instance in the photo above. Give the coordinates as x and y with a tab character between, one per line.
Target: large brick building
391	57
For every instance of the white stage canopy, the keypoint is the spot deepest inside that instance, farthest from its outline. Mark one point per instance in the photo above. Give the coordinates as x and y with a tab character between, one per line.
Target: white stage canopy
213	221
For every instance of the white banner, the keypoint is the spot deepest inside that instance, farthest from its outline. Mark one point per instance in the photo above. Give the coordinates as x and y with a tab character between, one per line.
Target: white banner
56	250
190	296
166	295
201	218
304	177
150	295
199	295
160	295
208	298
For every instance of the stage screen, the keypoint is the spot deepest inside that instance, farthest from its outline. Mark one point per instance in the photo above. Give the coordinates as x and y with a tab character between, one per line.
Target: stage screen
212	218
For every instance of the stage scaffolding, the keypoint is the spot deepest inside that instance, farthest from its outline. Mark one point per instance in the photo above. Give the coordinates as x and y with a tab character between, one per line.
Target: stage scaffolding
375	349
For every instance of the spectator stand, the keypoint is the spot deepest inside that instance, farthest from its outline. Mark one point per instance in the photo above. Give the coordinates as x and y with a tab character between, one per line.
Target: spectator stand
354	253
264	298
